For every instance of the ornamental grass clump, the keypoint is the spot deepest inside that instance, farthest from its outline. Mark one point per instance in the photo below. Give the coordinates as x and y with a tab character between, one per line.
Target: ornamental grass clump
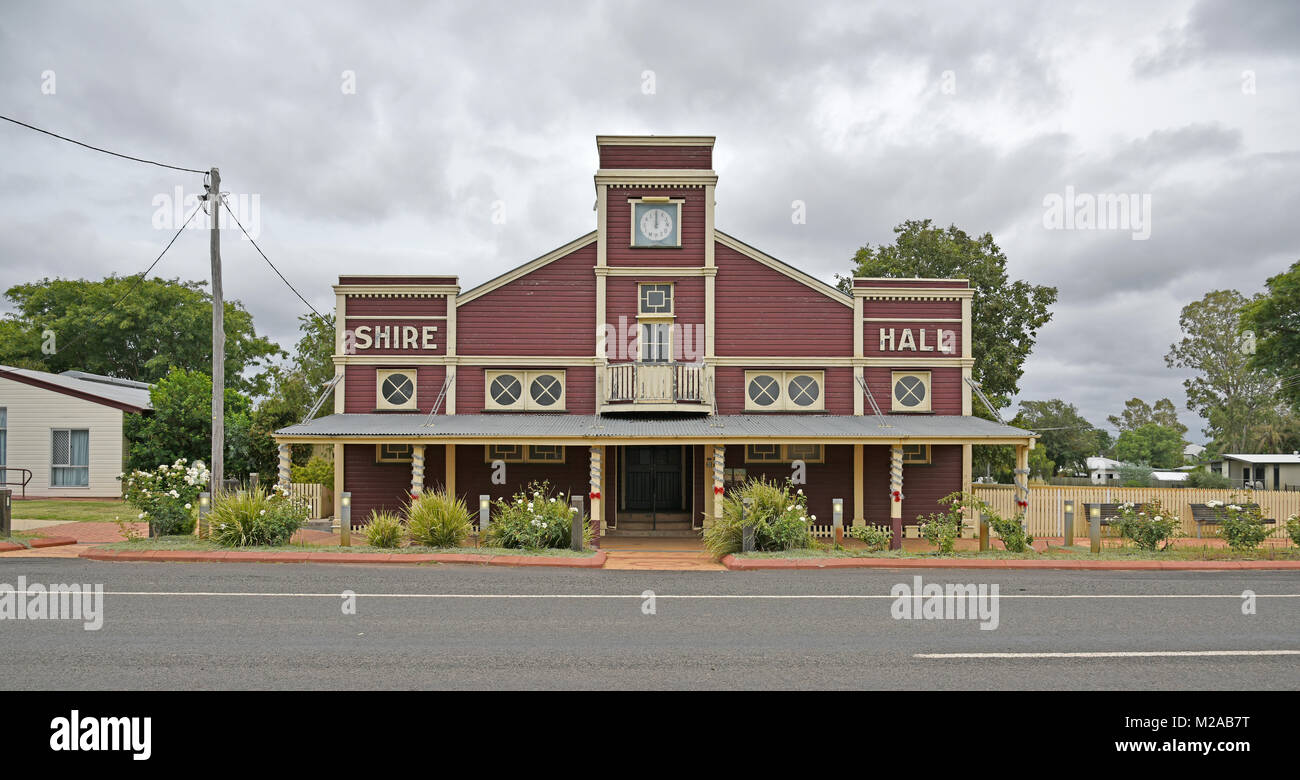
166	496
1241	524
534	519
1150	526
253	518
437	519
779	516
385	529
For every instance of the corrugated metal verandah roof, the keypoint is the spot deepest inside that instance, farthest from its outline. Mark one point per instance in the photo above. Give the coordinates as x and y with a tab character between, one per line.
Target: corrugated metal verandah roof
732	427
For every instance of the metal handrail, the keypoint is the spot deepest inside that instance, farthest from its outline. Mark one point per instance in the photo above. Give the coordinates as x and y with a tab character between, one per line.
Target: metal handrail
27	477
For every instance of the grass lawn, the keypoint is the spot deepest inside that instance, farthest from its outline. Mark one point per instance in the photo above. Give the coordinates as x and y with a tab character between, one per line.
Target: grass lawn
189	543
78	511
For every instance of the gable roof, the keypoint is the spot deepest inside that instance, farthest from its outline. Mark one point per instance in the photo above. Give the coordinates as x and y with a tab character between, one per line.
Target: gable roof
1261	458
124	394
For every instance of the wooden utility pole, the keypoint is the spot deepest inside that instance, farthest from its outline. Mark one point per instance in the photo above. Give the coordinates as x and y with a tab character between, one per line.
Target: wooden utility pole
216	467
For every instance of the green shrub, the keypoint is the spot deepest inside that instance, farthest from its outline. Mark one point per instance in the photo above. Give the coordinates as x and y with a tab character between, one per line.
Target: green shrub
1012	531
1241	525
1293	529
384	530
875	537
534	519
780	519
166	496
1150	526
317	471
437	519
1135	475
249	518
1204	478
942	530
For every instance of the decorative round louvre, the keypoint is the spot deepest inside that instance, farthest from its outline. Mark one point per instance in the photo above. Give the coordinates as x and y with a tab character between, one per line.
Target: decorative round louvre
397	389
764	390
505	390
545	390
909	391
803	390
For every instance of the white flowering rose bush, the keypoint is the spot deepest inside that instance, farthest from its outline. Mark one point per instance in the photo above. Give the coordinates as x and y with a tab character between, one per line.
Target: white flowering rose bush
779	515
252	518
1241	524
1150	526
166	496
533	519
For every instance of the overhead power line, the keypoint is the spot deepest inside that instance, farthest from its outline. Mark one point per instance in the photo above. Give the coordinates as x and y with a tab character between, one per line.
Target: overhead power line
140	277
100	149
268	260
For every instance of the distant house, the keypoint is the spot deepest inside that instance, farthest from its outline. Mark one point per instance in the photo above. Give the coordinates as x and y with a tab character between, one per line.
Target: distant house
1169	476
1103	471
1262	472
62	434
1193	452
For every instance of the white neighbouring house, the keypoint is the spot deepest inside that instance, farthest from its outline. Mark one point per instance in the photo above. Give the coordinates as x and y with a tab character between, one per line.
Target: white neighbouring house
1103	471
63	433
1259	470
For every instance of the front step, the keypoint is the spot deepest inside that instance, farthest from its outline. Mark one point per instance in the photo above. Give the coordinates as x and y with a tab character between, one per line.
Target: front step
673	533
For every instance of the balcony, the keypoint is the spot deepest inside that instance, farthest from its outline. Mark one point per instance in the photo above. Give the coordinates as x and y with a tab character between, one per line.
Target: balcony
656	387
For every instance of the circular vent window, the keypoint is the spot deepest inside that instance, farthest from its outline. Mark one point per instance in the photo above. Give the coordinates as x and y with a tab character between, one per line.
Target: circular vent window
803	390
764	390
545	390
505	390
397	389
909	392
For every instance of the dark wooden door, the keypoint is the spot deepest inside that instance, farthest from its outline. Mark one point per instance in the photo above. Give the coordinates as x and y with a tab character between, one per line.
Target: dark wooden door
654	479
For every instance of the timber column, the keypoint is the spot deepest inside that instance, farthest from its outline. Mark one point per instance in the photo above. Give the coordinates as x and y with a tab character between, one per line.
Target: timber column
284	473
719	485
594	481
896	496
417	470
1022	481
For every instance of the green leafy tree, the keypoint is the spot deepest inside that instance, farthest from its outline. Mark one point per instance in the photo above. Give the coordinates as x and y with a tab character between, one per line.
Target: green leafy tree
129	327
1066	438
1138	413
1152	443
1231	394
180	425
1274	318
1005	315
294	389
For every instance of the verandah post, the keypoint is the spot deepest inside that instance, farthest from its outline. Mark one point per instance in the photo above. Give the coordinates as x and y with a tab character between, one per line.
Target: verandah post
417	470
896	496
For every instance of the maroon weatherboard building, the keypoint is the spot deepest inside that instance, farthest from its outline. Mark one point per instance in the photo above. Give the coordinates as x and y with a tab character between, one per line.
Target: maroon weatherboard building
650	365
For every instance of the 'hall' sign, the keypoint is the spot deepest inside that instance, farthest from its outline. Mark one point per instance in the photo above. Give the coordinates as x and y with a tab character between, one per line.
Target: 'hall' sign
902	340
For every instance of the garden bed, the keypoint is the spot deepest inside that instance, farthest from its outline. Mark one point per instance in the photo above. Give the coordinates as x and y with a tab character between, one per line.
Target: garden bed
191	544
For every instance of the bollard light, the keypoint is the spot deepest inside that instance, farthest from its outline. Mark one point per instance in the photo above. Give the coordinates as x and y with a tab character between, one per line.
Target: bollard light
484	504
345	520
205	508
1068	523
837	519
1094	528
575	532
746	528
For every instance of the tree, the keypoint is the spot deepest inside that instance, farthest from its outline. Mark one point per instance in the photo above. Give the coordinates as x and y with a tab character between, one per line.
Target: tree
1274	319
128	327
1231	394
295	388
1065	436
1005	314
1158	445
1138	413
1040	464
180	425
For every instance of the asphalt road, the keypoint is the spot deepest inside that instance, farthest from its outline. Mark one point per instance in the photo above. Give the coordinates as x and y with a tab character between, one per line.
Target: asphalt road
259	626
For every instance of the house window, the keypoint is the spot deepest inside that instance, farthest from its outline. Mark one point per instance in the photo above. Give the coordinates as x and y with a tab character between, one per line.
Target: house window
392	452
911	391
656	342
395	390
524	391
916	453
797	391
523	453
784	453
70	458
655	299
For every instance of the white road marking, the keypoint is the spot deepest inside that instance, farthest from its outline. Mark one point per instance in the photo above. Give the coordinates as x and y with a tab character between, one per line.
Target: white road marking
1112	654
638	596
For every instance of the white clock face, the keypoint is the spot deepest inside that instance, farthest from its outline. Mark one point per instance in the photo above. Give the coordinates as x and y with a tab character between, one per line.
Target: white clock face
656	224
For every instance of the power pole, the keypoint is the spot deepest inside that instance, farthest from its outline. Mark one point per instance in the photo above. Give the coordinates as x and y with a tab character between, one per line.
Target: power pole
216	467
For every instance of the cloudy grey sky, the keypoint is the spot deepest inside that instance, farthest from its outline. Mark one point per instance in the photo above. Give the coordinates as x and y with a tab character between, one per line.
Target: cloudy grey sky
964	112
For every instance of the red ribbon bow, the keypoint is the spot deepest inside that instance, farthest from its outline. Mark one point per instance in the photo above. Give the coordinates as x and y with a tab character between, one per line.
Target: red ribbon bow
898	495
1022	504
595	494
717	491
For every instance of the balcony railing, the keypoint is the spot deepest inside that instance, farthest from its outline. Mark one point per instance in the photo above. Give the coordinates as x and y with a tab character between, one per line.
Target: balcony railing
655	383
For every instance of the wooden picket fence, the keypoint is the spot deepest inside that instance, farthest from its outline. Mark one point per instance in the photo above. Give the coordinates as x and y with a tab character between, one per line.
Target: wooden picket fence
320	499
1047	504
